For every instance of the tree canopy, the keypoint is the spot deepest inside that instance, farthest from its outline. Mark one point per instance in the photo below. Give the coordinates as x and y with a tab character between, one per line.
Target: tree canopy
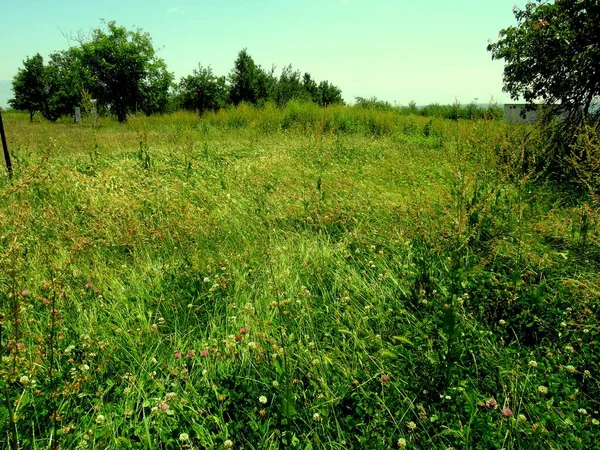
120	70
29	86
553	55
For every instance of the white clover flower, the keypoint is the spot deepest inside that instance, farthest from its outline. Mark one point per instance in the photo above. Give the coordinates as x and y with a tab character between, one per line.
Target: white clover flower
316	417
582	411
275	384
411	425
543	390
595	422
502	322
100	419
533	363
183	437
402	443
24	380
522	418
228	443
570	369
262	399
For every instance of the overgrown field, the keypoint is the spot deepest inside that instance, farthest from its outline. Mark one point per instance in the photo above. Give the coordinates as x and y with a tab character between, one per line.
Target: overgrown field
300	278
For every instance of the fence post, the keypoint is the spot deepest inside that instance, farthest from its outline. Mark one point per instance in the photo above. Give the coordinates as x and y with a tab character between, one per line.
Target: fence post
5	148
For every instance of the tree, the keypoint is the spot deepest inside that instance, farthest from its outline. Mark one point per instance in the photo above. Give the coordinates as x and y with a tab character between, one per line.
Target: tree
29	86
203	91
65	79
249	82
553	55
155	89
119	60
310	86
290	86
328	94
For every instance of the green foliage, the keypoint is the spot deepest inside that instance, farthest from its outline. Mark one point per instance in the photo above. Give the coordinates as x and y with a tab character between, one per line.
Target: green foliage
203	91
66	78
290	86
553	55
119	60
29	86
156	89
249	82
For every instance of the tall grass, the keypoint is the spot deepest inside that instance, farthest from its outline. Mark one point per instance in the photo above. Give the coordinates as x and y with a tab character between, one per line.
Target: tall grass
297	278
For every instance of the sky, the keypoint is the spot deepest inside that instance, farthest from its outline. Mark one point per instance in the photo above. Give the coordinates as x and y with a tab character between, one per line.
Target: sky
396	50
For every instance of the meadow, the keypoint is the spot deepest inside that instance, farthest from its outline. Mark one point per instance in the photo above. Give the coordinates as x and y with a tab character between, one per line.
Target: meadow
298	278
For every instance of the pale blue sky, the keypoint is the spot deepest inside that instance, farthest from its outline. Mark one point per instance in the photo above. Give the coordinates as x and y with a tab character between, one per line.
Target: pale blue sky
397	50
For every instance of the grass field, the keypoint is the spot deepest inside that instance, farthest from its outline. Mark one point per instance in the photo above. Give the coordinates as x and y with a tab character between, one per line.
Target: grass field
298	278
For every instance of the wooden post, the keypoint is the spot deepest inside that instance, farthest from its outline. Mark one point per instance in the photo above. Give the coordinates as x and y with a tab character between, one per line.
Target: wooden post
5	148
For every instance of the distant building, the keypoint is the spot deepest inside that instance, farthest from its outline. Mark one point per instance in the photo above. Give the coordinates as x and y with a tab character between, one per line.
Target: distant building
513	113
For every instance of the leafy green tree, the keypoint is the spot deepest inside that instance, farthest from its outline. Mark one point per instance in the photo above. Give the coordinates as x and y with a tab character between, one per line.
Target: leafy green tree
249	82
203	91
29	86
65	79
310	86
156	88
328	94
553	55
119	61
290	86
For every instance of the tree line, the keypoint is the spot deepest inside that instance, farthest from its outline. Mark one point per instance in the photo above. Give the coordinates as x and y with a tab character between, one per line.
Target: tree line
120	70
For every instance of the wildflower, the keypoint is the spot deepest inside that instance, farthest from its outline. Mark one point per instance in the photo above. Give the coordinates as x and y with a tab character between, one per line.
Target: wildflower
190	354
262	399
243	330
183	437
411	425
177	355
228	443
100	419
507	412
316	417
164	406
24	292
543	390
384	379
262	413
204	353
89	285
492	403
402	443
